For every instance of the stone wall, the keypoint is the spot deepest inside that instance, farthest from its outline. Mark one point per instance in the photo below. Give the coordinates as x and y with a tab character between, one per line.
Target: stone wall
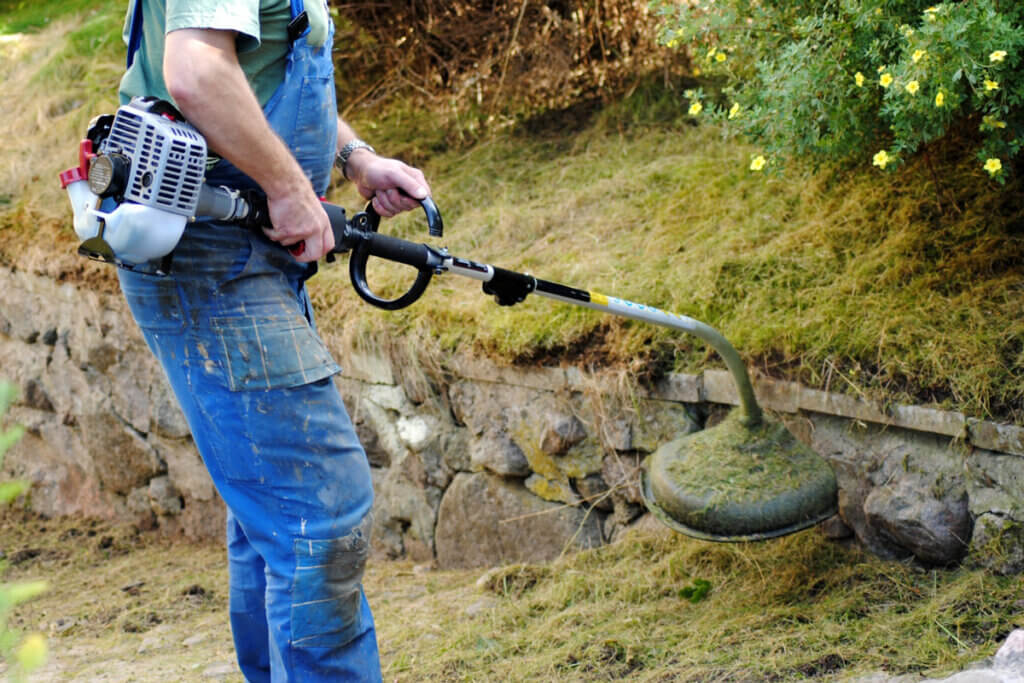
480	464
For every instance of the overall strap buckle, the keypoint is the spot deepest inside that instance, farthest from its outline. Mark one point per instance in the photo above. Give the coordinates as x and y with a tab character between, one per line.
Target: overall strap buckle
298	26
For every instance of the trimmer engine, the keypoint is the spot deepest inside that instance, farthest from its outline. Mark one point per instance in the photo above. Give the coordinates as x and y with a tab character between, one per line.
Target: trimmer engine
151	156
138	182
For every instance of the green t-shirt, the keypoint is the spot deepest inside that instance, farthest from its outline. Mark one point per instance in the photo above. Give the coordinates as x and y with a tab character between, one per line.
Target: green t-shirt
262	41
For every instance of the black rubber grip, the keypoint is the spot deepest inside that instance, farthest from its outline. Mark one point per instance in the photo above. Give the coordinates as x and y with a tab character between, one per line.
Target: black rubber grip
398	250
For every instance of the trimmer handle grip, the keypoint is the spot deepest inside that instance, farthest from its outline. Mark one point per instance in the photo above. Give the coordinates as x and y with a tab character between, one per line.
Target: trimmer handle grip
435	225
360	236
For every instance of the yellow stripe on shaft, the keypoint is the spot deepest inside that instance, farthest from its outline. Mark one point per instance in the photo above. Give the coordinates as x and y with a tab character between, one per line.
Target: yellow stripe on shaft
599	299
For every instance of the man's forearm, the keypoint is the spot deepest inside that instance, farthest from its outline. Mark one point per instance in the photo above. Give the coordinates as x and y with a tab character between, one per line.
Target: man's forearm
345	135
203	76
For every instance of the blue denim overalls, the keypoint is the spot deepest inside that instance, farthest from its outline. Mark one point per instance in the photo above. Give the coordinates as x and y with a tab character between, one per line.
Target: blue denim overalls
233	328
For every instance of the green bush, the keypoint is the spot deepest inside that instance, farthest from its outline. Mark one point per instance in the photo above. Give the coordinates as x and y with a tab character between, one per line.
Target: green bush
25	653
852	80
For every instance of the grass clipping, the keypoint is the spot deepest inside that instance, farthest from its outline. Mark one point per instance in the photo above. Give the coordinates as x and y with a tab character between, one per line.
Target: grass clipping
732	481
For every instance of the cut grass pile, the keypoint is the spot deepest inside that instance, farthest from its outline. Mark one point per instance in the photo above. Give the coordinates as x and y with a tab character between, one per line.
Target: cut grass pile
901	287
660	607
653	607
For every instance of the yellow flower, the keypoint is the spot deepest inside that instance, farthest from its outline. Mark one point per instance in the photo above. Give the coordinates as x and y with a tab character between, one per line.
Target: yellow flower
993	166
907	30
858	78
886	80
997	56
757	163
991	85
696	108
930	13
940	99
992	122
913	87
881	159
697	71
720	57
734	110
689	93
918	55
31	653
881	69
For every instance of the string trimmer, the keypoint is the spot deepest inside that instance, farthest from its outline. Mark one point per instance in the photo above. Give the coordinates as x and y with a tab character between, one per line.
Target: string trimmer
140	180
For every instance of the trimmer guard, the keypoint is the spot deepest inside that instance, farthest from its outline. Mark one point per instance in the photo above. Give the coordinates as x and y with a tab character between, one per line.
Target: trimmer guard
736	483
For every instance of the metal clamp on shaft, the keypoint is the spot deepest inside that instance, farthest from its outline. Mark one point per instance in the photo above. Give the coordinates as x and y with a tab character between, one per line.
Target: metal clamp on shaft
509	287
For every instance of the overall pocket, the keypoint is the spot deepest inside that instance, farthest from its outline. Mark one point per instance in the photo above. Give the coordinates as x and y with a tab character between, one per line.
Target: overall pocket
271	352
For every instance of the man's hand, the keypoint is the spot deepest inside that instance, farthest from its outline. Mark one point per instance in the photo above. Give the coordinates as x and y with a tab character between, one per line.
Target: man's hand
298	218
381	180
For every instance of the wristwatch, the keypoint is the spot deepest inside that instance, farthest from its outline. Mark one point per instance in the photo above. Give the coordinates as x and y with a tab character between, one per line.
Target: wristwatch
342	159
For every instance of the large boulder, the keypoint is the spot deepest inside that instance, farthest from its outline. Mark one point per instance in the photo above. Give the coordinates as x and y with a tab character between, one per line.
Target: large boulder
486	520
902	492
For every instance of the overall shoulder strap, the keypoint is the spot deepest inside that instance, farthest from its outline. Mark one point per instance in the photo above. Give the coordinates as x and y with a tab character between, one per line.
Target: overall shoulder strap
135	36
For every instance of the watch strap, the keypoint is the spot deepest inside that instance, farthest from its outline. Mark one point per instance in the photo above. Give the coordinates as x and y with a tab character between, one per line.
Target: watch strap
342	159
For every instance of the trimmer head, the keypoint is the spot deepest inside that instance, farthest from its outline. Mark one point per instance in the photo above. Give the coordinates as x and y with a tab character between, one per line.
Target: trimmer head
733	482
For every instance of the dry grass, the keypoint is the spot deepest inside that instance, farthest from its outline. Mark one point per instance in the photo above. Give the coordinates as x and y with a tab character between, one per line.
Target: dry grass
129	606
906	287
836	280
790	609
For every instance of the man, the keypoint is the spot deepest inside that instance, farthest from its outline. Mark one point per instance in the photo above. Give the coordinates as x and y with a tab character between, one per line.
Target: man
233	328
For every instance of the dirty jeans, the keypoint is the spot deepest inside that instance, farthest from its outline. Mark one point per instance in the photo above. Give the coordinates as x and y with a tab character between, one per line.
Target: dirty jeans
232	327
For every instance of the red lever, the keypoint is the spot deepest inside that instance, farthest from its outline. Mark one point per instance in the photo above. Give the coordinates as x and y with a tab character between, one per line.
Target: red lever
80	172
299	248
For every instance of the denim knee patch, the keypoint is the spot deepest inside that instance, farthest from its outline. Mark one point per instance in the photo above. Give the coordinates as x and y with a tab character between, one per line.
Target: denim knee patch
327	588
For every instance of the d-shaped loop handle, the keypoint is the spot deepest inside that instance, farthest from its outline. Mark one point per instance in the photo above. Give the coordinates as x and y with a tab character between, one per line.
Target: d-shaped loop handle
368	222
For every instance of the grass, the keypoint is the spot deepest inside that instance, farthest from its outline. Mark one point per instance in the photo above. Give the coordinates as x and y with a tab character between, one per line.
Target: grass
875	284
791	609
17	16
903	288
836	280
654	607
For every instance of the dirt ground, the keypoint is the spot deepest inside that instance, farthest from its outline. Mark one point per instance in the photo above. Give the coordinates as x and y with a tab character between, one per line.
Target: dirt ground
129	606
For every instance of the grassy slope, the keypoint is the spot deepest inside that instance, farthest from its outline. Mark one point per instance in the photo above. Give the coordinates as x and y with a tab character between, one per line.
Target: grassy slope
876	284
848	280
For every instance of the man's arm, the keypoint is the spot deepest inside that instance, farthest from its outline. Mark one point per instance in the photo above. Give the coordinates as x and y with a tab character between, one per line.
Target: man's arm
203	76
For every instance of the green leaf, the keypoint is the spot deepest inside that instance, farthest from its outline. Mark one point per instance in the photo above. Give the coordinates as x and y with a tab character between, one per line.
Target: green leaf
9	490
696	592
10	437
23	591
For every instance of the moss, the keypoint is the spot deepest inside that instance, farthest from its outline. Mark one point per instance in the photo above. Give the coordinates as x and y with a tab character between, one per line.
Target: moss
998	544
555	491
